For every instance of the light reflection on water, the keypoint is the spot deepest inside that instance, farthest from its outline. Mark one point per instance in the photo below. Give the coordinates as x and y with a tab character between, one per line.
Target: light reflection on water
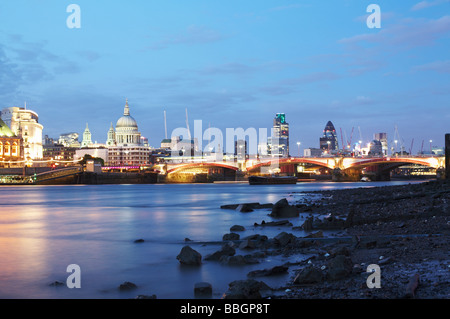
43	229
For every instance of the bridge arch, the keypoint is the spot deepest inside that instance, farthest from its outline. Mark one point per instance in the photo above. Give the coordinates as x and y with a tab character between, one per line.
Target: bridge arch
182	167
325	162
395	162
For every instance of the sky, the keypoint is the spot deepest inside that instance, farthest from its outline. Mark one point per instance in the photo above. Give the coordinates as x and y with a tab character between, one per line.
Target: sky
232	64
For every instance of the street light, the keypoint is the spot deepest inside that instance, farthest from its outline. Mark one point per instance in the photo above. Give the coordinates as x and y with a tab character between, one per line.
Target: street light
431	149
298	145
395	145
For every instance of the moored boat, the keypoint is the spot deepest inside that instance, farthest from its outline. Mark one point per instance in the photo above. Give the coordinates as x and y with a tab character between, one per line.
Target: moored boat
268	180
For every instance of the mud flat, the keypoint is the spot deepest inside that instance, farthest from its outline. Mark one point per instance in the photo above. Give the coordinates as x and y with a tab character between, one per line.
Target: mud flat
402	230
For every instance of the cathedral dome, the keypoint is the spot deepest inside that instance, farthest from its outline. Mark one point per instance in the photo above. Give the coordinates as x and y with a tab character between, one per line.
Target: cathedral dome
126	121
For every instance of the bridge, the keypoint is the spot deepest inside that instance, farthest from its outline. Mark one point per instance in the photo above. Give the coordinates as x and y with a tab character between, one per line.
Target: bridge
60	176
340	167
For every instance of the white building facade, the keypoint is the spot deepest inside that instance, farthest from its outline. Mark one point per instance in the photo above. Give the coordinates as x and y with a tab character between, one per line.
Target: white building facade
25	124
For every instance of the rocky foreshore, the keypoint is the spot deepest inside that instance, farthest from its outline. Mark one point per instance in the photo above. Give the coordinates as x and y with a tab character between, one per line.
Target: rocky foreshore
402	230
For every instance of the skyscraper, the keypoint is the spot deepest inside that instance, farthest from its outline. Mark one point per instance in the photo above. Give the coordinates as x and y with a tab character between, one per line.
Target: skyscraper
279	143
329	140
382	137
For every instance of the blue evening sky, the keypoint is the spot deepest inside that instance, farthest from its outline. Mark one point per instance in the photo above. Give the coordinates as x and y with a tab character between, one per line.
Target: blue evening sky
231	64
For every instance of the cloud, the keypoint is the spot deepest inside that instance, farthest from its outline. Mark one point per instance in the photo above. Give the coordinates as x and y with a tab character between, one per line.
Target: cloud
228	68
192	35
407	33
311	78
438	66
427	4
288	7
90	56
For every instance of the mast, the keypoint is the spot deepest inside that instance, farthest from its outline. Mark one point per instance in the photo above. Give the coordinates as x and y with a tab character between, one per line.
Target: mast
165	124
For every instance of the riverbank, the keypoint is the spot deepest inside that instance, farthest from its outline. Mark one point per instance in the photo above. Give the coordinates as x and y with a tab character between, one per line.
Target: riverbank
404	230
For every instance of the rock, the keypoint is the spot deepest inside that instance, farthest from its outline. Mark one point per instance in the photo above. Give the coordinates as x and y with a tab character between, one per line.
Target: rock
139	240
57	284
247	244
187	239
244	208
226	250
233	260
246	289
127	286
309	275
349	220
340	251
275	223
237	228
318	234
203	289
385	261
339	267
231	236
268	272
283	238
332	222
189	256
230	206
249	259
145	297
238	260
283	209
308	224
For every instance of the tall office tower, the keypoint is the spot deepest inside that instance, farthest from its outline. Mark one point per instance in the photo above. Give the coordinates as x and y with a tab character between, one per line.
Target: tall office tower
279	143
329	141
382	137
25	124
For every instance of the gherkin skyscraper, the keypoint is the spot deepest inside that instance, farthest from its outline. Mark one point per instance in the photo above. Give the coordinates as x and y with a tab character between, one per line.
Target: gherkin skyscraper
329	140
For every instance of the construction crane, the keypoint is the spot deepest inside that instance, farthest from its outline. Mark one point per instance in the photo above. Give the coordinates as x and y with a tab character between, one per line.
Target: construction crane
351	136
410	149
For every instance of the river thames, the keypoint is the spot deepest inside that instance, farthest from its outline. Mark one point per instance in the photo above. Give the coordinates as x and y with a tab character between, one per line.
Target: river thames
43	229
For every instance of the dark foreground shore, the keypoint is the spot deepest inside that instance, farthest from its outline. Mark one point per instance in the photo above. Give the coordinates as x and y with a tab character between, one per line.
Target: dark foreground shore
402	230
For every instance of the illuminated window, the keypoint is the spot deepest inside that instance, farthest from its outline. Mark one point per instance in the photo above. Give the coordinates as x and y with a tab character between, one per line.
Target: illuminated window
14	149
6	150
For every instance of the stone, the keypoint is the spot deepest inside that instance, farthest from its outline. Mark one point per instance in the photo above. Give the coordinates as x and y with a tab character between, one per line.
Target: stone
283	209
127	286
145	297
308	224
139	240
233	260
318	234
226	250
203	289
57	284
268	272
244	208
275	223
238	260
339	267
247	244
246	289
309	275
283	238
231	236
189	256
237	228
340	251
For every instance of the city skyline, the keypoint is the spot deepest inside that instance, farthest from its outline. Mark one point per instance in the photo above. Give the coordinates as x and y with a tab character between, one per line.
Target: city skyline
231	65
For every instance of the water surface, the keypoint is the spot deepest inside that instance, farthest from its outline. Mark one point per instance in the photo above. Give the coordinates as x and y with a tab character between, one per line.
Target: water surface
43	229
